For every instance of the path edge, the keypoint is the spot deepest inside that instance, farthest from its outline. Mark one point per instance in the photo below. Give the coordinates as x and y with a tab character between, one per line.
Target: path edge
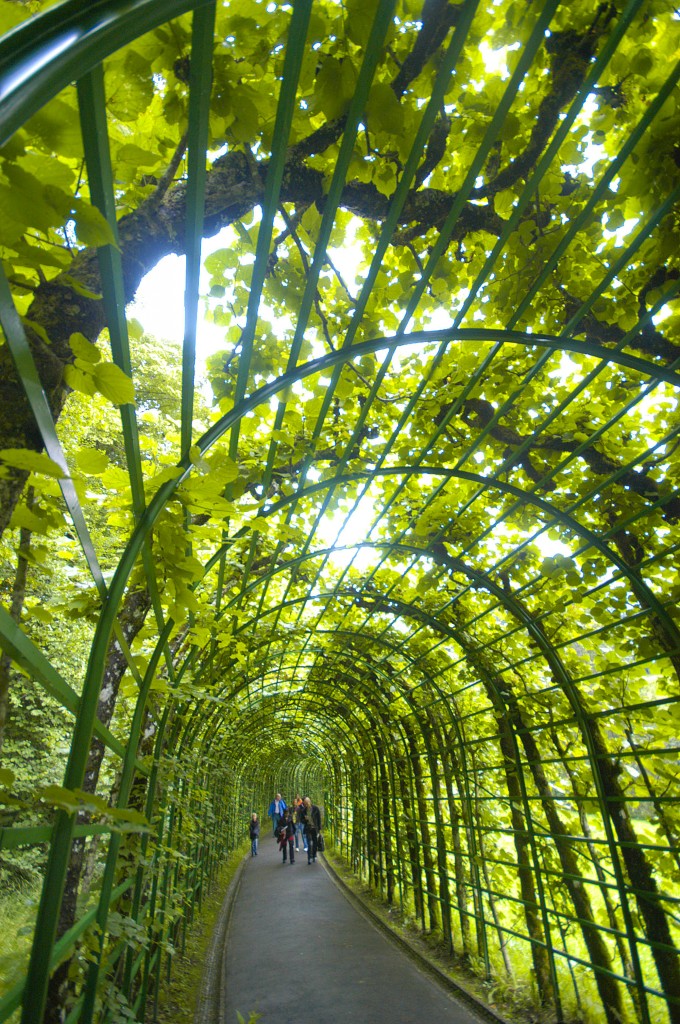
471	1002
210	1003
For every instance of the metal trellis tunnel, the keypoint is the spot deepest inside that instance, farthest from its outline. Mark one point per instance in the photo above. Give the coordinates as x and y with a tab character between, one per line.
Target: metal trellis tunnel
417	553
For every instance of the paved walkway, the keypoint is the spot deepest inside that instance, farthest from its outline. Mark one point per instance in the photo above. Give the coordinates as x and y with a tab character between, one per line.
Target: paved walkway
299	953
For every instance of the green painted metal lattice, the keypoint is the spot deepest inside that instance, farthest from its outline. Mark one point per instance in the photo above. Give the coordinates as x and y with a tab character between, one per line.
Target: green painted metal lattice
492	727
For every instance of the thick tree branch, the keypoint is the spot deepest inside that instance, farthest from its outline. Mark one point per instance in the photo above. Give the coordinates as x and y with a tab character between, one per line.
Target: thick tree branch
649	341
436	18
571	55
478	412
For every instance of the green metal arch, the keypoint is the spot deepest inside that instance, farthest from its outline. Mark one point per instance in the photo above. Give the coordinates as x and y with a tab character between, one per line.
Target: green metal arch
642	591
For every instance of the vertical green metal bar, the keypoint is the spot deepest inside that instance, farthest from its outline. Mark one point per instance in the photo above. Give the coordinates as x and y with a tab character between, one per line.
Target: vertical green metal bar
60	847
92	105
139	880
538	874
440	840
475	825
165	894
125	786
200	85
17	342
284	116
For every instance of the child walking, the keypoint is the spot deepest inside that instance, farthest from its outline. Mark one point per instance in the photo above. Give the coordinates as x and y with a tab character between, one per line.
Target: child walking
286	836
254	830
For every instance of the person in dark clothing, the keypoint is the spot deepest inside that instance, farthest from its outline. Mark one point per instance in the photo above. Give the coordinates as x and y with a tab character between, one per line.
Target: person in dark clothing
312	820
300	824
254	830
286	835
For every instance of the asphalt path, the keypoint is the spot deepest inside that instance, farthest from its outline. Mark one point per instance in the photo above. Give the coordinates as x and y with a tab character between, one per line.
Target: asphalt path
298	951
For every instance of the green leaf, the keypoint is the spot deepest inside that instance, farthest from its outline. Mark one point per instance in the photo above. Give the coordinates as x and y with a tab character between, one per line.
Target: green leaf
7	778
39	330
80	289
259	524
557	565
128	814
78	380
92	228
58	796
23	202
25	518
92	461
217	262
334	86
39	612
57	128
360	16
31	462
246	122
132	154
113	384
503	203
384	110
615	220
84	349
169	473
135	329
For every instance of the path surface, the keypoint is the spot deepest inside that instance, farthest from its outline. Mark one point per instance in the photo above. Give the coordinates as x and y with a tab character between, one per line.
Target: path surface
299	953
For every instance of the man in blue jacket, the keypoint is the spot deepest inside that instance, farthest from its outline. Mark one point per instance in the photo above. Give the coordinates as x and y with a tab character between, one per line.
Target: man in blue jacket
276	809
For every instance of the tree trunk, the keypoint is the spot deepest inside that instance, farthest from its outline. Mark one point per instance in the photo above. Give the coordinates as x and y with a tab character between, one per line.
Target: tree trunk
132	615
664	822
614	922
458	859
641	875
16	607
608	987
384	786
424	829
406	829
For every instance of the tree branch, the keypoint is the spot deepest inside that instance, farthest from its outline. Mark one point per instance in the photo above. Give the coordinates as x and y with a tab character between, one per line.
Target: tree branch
479	412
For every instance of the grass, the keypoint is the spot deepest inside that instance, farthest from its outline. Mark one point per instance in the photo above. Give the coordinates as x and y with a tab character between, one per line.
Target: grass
18	909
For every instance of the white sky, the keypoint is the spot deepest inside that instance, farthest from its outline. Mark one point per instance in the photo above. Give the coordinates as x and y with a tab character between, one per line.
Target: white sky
159	303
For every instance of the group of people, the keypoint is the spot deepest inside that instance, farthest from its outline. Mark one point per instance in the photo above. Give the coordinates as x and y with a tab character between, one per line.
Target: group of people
291	826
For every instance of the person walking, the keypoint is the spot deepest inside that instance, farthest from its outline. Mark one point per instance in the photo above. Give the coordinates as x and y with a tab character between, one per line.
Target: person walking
254	830
312	824
287	836
275	812
299	824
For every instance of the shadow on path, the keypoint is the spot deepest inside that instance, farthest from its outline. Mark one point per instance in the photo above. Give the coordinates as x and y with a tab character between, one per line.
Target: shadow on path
298	951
